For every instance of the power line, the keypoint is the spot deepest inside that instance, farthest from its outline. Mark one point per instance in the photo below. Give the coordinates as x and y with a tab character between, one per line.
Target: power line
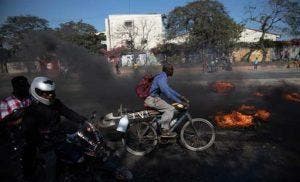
129	6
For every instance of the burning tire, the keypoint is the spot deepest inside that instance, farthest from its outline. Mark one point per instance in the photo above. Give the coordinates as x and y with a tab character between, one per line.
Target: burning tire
141	138
197	135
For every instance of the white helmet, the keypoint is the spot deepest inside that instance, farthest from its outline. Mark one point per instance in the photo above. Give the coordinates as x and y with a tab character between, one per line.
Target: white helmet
41	85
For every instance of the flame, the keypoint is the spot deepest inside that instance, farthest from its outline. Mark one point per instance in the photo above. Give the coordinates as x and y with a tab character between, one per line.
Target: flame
262	114
258	94
222	86
234	119
243	117
294	97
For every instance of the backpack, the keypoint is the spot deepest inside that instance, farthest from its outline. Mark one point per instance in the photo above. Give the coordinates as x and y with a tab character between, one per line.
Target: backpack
142	89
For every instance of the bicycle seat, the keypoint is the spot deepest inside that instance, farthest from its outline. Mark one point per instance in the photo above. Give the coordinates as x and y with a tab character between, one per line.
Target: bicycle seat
148	107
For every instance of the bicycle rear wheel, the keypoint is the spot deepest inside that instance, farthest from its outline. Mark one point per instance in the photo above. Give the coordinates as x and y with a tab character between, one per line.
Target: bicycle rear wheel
197	135
141	138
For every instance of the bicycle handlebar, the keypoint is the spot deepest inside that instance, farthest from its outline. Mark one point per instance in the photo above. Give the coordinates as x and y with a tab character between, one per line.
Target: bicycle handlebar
185	99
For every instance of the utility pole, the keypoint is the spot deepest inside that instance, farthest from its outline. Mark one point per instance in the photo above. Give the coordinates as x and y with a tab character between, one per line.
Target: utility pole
129	6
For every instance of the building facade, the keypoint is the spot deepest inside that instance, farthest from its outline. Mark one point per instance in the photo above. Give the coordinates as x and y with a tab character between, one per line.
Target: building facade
251	35
142	31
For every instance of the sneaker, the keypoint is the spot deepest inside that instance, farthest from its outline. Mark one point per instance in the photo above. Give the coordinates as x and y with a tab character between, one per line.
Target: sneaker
168	134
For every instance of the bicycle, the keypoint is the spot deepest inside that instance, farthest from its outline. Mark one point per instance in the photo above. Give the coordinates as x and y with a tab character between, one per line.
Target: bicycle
141	137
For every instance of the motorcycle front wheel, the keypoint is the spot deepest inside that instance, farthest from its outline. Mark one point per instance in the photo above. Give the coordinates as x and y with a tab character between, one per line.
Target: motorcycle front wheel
141	138
197	135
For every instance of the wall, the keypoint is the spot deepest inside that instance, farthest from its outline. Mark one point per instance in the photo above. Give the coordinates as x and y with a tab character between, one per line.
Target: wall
283	53
142	59
153	29
16	67
249	35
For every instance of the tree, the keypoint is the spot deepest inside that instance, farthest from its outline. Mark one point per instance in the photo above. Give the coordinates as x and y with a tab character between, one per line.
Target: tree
76	28
207	24
114	53
277	15
13	31
4	55
82	34
135	36
15	27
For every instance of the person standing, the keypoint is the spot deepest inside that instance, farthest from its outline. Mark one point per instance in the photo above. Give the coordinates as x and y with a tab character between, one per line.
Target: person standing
118	65
255	63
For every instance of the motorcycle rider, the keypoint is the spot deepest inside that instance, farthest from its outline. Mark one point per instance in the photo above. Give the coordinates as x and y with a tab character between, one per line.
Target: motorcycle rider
40	125
41	131
158	88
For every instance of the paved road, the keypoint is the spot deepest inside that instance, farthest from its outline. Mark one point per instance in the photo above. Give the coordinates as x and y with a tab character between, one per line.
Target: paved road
268	152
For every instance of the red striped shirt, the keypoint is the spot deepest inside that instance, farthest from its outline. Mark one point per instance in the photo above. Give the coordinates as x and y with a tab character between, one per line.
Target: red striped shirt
10	103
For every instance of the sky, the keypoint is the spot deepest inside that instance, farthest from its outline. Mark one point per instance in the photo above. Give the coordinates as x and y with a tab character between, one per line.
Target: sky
94	12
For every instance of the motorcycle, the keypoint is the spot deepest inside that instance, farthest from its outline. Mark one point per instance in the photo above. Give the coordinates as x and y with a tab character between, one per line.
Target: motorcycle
143	132
85	152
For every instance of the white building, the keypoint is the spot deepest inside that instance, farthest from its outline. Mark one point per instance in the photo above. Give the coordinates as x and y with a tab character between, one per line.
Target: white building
145	31
252	35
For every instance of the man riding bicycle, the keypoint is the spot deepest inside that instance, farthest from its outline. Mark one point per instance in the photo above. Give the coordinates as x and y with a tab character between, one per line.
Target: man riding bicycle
158	88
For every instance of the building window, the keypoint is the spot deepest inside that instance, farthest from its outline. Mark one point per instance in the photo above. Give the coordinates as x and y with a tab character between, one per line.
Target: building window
128	24
129	43
144	41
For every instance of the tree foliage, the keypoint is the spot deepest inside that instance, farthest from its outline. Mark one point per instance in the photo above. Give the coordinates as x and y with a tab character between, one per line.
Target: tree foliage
14	28
276	15
115	53
82	34
167	49
77	28
206	22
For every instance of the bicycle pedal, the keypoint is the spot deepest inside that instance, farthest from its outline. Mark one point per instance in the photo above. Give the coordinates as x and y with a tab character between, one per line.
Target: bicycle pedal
165	136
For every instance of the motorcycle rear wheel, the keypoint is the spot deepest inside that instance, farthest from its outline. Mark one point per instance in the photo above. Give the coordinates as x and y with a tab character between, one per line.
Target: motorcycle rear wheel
141	138
197	135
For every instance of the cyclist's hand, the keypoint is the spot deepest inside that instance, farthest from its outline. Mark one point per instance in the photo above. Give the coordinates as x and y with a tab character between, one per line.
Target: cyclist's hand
185	104
183	98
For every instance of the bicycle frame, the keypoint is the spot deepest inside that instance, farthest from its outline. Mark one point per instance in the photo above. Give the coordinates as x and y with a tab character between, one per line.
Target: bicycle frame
183	117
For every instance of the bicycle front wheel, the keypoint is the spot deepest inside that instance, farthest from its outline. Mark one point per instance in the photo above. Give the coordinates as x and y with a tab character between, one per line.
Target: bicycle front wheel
197	135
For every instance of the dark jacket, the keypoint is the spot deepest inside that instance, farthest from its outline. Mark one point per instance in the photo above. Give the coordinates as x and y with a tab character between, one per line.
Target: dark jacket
41	123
